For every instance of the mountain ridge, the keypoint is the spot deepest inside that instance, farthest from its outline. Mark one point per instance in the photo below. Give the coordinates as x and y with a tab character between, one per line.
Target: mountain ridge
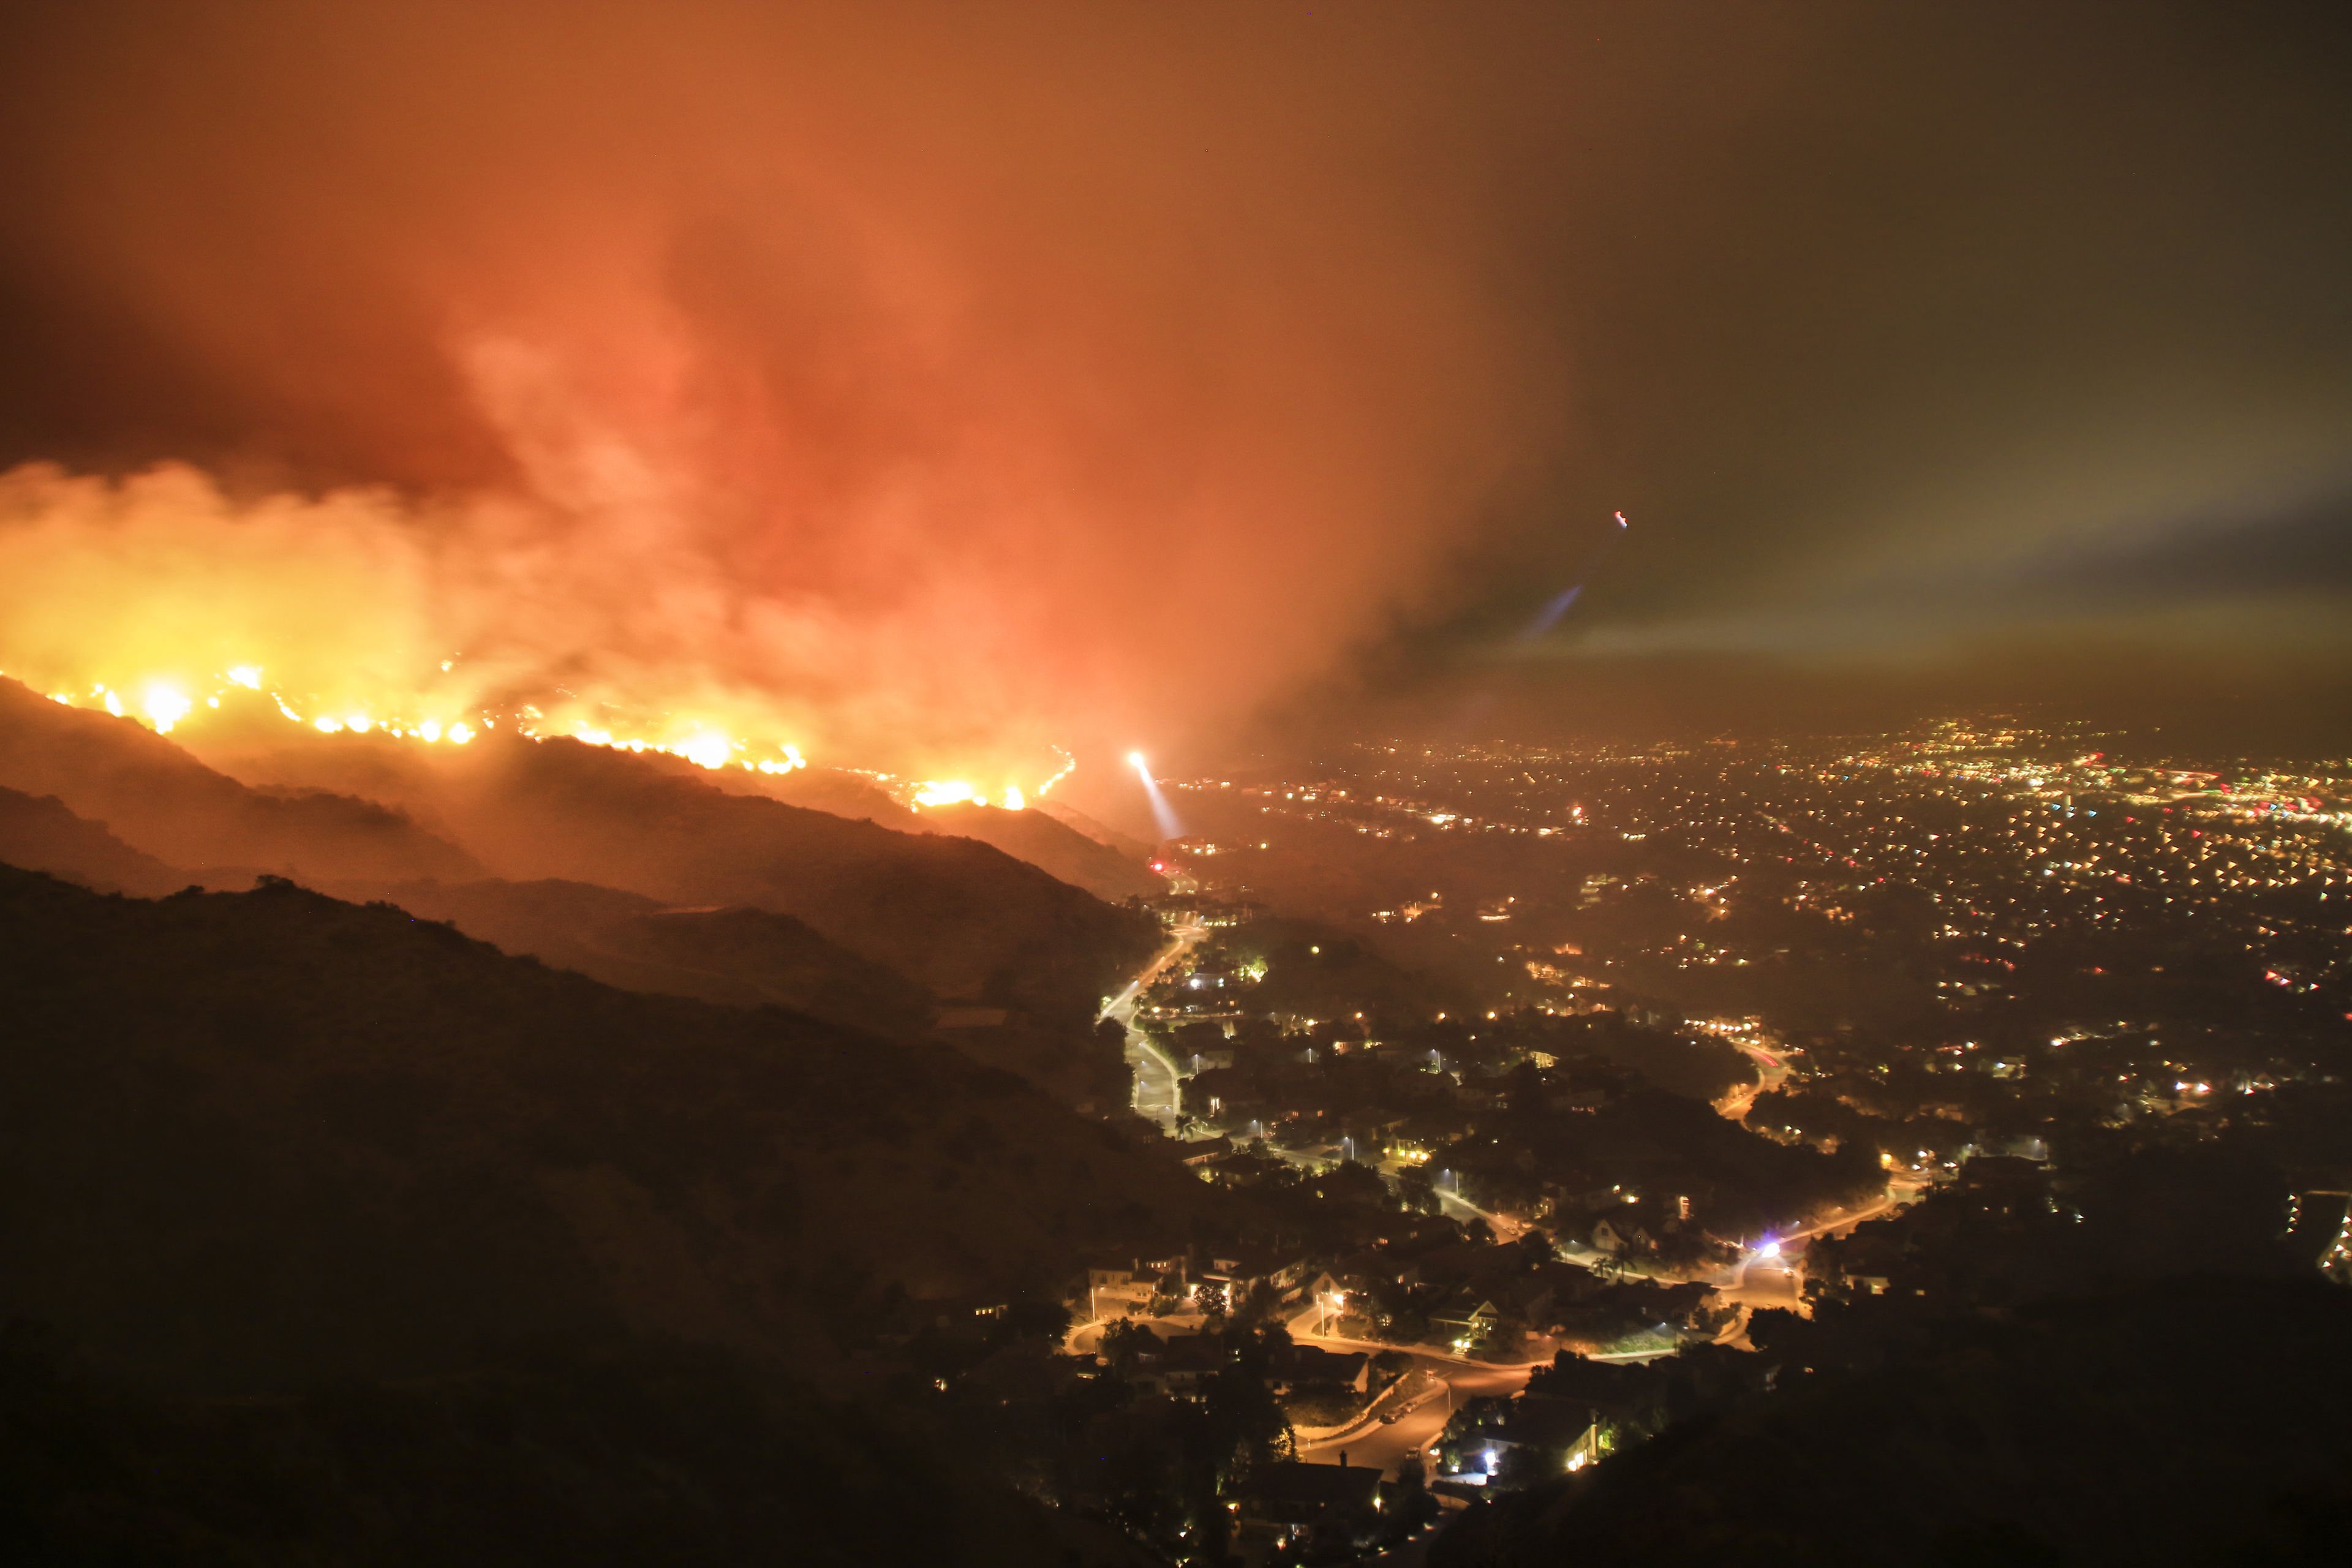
250	1141
161	799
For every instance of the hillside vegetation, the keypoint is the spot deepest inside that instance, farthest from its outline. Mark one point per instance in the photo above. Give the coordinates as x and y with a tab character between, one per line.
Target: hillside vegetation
252	1141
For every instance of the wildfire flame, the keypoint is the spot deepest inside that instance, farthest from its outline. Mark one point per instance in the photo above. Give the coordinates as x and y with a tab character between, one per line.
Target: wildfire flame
159	599
958	791
944	792
164	704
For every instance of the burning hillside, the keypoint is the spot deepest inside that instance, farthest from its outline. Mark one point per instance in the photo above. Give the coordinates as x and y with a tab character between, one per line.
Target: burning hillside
756	433
959	917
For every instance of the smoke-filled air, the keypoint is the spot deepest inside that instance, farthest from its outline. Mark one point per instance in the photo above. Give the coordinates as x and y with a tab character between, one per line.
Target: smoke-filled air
901	405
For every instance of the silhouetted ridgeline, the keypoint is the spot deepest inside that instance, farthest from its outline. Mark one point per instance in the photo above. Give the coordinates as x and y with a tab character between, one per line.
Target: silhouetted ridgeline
256	1141
1052	841
1052	846
160	800
39	834
946	916
967	921
330	1231
742	956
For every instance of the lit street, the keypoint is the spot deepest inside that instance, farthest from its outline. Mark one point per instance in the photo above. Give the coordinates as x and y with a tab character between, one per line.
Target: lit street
1159	1086
1384	1445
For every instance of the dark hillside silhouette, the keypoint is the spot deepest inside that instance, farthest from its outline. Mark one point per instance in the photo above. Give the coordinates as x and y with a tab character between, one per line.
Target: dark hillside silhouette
968	922
250	1141
742	956
160	800
40	833
1043	835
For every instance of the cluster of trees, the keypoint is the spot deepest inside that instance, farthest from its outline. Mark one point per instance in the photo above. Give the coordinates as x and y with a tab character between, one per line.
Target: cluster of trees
2111	1428
1308	969
1604	1046
1659	1145
1266	1201
1158	1471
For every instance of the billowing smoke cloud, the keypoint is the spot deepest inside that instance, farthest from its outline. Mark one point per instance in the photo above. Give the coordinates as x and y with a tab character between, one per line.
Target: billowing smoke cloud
935	383
920	389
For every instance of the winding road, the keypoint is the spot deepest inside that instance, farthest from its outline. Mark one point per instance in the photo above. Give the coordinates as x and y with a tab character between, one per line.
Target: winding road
1159	1085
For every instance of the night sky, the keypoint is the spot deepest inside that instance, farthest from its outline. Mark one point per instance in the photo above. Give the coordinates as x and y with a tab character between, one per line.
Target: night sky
1107	374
